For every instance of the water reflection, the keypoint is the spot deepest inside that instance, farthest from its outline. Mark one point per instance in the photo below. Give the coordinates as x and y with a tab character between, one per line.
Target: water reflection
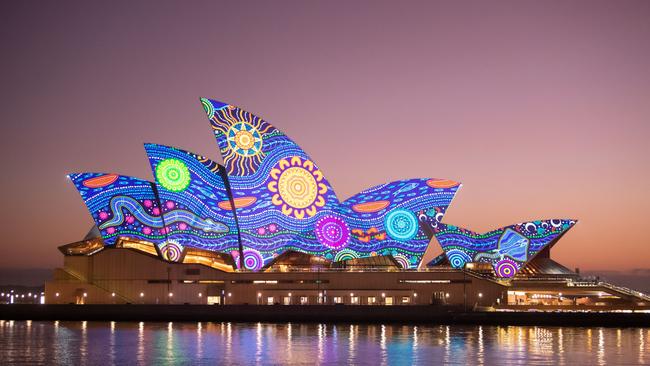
641	347
199	340
140	355
265	343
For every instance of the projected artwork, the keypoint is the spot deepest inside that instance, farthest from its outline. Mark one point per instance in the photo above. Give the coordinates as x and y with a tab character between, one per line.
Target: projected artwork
289	194
270	197
121	206
506	249
383	220
194	201
282	192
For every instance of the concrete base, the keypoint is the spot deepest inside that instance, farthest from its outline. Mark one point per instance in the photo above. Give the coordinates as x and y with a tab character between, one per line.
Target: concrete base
316	313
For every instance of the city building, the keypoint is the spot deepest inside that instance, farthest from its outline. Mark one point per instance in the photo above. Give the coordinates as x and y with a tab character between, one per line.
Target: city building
267	228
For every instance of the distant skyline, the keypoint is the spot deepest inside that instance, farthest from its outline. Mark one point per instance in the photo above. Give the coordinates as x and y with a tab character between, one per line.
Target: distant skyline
540	109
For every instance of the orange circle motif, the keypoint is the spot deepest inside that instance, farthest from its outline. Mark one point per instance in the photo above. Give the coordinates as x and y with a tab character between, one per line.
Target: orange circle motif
298	187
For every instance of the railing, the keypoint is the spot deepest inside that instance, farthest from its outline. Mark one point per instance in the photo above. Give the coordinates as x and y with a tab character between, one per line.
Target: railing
620	289
82	279
626	291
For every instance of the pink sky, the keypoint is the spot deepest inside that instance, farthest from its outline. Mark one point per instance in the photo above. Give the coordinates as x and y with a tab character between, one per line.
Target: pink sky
540	109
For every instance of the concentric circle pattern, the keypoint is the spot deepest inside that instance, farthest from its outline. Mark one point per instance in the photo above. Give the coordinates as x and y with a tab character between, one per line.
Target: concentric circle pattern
171	251
297	187
506	268
253	260
207	107
173	175
457	258
244	139
402	260
345	254
401	224
332	232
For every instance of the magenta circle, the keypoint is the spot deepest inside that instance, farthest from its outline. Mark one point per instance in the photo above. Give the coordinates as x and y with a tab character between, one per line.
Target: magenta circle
506	268
332	232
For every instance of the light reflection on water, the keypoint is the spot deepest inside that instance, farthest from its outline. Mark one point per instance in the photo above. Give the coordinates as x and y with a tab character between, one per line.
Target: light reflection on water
92	343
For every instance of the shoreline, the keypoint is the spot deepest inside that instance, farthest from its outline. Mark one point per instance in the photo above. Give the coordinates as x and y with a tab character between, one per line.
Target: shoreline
423	314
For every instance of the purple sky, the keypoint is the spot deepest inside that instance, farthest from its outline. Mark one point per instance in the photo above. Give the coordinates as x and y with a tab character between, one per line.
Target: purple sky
541	109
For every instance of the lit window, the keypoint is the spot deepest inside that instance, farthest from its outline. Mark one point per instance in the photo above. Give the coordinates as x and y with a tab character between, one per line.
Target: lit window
304	300
354	300
405	299
338	300
372	300
269	300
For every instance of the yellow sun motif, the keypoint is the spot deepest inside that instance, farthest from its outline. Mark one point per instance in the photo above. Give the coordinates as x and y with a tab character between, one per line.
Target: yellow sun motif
298	187
241	139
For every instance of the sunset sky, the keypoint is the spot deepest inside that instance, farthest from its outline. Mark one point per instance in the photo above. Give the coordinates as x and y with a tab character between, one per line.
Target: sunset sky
541	109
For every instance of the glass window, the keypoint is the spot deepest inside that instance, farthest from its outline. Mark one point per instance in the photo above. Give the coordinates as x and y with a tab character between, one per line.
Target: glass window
338	300
214	300
372	300
388	300
269	300
304	300
405	299
354	300
286	300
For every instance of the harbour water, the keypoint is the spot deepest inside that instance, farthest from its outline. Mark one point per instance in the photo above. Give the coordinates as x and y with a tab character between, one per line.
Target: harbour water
209	343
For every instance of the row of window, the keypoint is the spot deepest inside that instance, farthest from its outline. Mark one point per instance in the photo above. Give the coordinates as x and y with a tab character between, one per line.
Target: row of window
274	282
352	300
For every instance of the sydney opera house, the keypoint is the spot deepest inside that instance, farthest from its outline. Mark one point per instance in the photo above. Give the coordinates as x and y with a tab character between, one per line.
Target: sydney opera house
268	228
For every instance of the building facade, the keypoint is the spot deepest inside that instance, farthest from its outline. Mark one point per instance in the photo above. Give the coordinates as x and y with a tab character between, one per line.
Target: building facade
268	228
